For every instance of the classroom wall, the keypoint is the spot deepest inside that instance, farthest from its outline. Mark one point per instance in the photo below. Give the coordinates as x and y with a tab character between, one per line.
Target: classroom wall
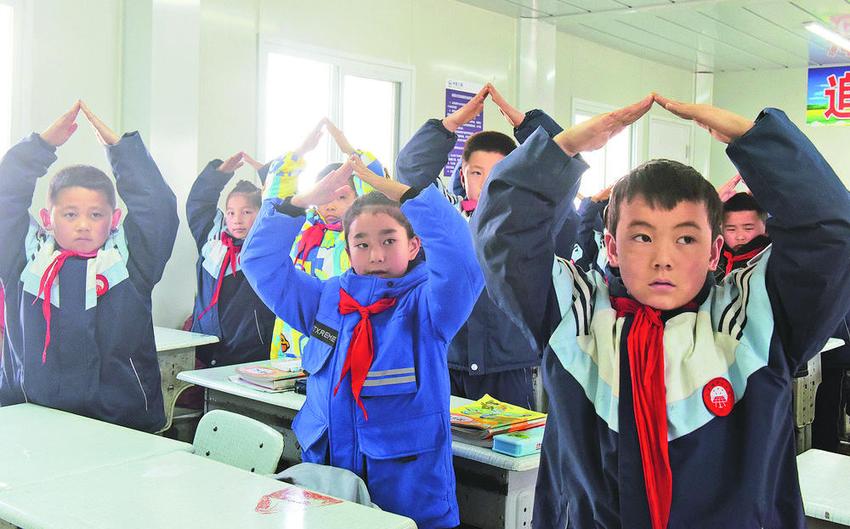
71	53
747	93
589	71
95	50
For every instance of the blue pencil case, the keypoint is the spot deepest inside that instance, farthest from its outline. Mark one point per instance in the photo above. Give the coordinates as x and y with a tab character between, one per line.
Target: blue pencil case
518	444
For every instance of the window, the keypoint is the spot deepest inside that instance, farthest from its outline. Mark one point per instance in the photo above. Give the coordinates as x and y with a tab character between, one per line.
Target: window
609	163
369	102
6	55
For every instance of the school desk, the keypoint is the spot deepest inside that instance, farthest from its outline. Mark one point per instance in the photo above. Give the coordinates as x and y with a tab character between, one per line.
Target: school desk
39	444
494	490
825	486
175	351
181	490
804	387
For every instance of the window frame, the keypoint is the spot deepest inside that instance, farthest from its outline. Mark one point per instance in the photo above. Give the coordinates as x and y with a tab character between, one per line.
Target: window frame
593	108
21	77
342	64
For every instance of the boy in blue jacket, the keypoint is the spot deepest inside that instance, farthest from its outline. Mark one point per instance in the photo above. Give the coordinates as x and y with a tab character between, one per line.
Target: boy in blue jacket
78	288
489	355
378	392
226	306
670	396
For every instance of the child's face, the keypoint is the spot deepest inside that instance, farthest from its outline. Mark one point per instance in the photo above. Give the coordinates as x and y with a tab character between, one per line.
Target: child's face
663	256
740	227
379	245
240	214
80	219
476	169
333	211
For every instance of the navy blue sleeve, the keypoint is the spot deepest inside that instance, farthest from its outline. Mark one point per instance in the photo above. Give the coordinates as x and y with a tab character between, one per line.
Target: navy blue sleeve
523	205
20	168
289	292
423	157
808	277
454	277
151	223
590	223
533	120
202	204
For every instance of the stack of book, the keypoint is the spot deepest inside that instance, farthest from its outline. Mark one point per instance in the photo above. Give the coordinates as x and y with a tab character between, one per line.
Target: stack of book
272	376
476	423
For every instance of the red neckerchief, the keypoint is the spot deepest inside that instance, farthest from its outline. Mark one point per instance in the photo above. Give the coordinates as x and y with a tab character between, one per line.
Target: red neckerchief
45	288
731	258
311	238
468	205
361	349
230	258
649	399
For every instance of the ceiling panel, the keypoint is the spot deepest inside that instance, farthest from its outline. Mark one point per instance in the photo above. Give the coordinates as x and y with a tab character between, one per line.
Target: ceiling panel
763	57
704	35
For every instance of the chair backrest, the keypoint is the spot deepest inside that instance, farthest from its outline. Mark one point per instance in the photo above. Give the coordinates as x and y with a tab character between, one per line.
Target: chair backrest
238	441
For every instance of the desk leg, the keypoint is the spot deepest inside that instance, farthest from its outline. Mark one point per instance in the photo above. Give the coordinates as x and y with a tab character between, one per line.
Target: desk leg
490	497
171	363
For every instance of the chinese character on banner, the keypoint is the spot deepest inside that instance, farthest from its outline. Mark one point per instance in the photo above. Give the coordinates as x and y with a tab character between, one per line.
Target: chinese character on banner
828	96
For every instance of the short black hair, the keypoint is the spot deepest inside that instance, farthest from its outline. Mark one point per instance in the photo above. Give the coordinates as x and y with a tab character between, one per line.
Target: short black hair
488	141
375	202
84	176
744	202
664	184
244	187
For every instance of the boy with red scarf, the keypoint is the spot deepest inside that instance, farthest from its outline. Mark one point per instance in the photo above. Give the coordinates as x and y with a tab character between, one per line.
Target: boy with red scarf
78	288
670	396
744	233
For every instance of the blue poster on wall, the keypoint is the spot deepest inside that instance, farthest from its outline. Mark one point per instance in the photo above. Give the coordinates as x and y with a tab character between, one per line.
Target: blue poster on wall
828	101
458	93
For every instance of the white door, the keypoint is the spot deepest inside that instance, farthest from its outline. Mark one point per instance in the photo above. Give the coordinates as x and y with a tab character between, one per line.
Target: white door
670	140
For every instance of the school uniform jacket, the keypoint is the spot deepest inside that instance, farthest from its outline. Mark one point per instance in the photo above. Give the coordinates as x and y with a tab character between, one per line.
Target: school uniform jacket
589	252
240	319
403	451
102	360
488	342
328	259
752	331
733	259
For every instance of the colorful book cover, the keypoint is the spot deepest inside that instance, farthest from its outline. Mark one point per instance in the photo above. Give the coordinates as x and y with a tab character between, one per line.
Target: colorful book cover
488	416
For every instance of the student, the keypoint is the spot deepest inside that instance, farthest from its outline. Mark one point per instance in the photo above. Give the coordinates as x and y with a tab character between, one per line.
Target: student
78	288
744	233
378	391
320	248
226	306
669	396
488	355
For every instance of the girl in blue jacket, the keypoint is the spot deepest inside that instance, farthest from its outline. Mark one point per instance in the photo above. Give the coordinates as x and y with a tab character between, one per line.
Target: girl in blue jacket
378	392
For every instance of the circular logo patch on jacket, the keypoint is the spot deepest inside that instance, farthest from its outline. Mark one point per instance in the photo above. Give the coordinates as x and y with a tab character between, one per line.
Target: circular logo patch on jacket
101	284
718	396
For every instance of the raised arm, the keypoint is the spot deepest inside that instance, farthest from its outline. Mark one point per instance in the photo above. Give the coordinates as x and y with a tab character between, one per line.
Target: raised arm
808	279
525	203
202	204
455	280
423	157
151	223
290	293
20	169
